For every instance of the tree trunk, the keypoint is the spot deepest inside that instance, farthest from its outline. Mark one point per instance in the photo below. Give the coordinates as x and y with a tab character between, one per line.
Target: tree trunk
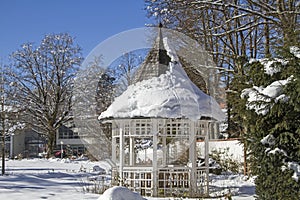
3	134
51	143
3	152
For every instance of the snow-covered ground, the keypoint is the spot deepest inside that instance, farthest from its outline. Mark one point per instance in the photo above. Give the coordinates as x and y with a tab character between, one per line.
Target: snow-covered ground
44	179
64	179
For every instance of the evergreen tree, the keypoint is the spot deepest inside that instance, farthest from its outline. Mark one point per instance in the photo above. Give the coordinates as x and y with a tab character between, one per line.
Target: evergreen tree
104	93
104	98
270	107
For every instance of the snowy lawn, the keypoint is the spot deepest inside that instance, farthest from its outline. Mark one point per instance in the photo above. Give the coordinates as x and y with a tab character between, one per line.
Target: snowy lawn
43	179
62	179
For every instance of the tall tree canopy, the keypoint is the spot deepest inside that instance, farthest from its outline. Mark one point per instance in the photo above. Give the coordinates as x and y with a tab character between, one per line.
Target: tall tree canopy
232	31
42	77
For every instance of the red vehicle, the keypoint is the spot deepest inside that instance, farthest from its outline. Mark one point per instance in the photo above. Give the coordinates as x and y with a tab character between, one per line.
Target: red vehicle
57	154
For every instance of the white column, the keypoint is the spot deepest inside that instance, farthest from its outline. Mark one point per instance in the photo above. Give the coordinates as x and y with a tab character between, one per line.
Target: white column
207	126
114	142
154	162
114	148
192	159
164	144
164	150
121	132
131	151
12	146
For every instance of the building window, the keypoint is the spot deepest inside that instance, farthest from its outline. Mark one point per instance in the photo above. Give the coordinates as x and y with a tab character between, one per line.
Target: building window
67	133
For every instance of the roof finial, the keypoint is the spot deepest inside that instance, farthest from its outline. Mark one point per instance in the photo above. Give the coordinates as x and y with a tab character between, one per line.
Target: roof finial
163	57
157	60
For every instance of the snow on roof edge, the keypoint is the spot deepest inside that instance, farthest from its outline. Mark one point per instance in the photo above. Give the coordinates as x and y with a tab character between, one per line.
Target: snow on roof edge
171	95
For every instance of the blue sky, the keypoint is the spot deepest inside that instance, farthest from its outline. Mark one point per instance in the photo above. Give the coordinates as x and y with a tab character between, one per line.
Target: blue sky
89	21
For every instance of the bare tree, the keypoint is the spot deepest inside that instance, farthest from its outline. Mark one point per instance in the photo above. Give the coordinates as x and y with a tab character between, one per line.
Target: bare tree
10	113
124	69
3	119
93	93
220	18
43	79
232	31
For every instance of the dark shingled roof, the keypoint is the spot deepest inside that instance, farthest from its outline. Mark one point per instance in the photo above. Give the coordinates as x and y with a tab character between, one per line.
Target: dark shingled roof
156	62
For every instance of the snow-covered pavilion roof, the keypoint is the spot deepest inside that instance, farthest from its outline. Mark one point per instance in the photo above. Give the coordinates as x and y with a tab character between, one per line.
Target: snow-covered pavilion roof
166	95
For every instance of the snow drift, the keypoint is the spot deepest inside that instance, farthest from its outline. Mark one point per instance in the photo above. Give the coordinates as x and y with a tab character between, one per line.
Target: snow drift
120	193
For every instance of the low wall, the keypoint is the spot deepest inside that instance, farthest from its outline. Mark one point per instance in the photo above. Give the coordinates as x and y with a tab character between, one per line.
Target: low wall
235	148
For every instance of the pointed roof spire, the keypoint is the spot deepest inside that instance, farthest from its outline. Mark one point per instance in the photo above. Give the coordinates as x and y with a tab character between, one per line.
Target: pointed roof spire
156	62
163	56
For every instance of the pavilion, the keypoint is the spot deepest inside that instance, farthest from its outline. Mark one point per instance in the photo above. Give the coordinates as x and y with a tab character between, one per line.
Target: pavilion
156	123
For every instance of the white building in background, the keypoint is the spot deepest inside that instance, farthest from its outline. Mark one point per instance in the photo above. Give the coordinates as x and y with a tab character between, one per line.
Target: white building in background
25	144
67	136
28	144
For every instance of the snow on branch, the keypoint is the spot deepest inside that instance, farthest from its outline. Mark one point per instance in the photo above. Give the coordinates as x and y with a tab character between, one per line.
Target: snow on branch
261	99
295	51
